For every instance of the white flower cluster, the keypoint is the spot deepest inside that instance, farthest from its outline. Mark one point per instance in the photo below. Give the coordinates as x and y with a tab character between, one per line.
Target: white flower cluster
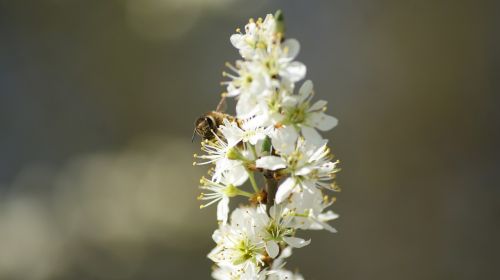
275	133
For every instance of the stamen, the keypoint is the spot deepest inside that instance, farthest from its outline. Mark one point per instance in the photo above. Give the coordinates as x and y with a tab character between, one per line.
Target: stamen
230	66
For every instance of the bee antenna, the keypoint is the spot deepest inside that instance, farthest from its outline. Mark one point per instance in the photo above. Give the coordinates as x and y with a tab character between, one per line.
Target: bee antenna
194	135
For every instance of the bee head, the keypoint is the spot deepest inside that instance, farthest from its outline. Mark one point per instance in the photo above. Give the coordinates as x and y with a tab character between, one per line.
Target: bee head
205	126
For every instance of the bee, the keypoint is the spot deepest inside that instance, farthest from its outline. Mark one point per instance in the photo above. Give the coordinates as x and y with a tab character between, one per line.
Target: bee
207	125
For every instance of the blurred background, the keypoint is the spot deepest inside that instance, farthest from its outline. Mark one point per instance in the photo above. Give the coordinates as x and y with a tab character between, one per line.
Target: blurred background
98	100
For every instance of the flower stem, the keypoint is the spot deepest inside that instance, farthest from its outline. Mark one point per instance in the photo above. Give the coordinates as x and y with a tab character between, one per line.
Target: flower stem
254	152
252	180
244	193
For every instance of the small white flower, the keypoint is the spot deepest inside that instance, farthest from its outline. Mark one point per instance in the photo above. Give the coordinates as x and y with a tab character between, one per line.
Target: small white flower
308	209
248	78
256	110
231	169
280	62
221	192
239	242
227	158
280	230
307	165
259	36
215	150
306	117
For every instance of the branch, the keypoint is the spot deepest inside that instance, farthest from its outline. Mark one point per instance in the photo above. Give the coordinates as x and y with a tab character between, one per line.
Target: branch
271	188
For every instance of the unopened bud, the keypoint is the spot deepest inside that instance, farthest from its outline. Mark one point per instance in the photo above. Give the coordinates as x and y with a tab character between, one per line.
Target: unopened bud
280	23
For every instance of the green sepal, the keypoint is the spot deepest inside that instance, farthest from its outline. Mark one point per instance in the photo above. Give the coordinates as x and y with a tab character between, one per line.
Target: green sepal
266	145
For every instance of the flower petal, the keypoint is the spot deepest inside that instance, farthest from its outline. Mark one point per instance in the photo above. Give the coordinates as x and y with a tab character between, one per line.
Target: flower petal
285	253
328	216
284	139
322	121
327	227
247	105
292	48
305	90
294	71
231	132
304	170
272	249
296	242
236	40
217	236
308	185
318	105
271	162
312	137
231	173
223	210
285	189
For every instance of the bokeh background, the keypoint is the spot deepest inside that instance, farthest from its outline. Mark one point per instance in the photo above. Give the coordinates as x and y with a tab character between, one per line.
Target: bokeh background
98	99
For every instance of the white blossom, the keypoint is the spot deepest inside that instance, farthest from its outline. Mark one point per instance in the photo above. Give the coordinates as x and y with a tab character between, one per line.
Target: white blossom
239	242
221	192
226	157
308	209
281	62
248	77
306	117
258	37
307	165
276	132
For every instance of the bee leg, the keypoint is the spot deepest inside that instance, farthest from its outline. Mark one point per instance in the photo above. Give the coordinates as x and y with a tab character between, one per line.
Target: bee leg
222	104
214	134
